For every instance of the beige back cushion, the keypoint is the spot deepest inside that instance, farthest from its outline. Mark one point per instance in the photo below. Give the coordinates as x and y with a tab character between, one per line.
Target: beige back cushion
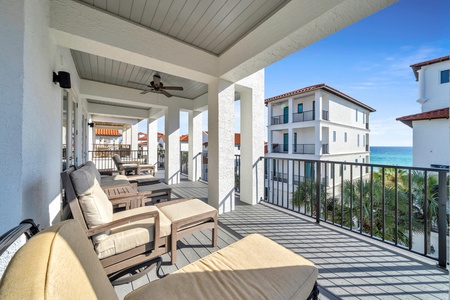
58	263
94	203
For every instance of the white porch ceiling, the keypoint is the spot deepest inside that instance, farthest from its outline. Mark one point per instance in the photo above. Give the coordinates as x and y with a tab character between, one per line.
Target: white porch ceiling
191	43
110	71
211	25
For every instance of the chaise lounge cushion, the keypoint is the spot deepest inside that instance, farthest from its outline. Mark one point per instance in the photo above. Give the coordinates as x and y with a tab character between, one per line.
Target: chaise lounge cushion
252	268
97	209
129	236
58	263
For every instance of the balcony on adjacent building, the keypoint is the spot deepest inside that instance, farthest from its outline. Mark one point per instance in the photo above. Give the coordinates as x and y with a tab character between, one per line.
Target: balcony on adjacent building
280	148
304	148
303	116
281	119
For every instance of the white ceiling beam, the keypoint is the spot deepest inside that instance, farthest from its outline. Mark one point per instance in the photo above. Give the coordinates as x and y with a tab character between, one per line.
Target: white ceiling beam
122	112
295	26
122	95
83	28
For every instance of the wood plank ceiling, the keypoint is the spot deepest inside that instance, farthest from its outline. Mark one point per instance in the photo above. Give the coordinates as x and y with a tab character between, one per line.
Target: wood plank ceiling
211	25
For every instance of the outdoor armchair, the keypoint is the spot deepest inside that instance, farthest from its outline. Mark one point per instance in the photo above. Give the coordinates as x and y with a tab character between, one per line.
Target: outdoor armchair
131	167
121	240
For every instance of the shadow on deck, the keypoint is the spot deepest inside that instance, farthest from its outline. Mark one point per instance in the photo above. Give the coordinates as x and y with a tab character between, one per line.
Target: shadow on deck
350	266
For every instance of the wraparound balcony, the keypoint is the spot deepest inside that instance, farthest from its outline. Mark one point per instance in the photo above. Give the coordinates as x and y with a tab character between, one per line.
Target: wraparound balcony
350	265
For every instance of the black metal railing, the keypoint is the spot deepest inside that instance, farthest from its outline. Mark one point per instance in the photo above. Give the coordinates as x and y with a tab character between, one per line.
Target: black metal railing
398	205
303	116
304	148
282	119
103	158
279	148
325	115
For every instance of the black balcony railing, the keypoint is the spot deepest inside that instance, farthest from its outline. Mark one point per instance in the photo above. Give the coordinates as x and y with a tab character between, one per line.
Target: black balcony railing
103	158
303	116
402	206
304	148
283	119
279	148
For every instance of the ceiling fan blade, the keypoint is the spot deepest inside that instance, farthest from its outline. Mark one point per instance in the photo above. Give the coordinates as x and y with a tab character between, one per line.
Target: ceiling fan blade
134	82
145	92
173	88
166	93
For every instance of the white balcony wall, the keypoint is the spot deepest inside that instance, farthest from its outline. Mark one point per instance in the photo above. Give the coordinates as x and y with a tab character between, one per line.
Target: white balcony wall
431	143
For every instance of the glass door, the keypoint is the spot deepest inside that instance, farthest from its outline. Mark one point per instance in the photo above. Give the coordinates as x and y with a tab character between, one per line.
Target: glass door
286	115
286	142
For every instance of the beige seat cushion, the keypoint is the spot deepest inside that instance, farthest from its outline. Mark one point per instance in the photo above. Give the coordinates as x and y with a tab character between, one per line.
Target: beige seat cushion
187	209
252	268
96	207
129	236
57	263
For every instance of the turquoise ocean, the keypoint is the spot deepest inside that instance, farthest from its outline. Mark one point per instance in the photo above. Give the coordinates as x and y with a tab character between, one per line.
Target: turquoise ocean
399	156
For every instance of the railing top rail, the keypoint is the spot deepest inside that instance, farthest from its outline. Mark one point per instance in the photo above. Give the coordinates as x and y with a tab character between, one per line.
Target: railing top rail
305	111
363	164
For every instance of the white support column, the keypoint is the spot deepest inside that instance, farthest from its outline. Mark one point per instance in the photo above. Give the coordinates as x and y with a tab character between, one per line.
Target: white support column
290	140
91	138
152	142
134	137
221	145
252	138
269	131
318	128
291	110
195	146
172	145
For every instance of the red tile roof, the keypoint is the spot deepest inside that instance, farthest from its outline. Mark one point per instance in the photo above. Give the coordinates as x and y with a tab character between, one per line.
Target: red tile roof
418	66
322	86
107	132
184	138
428	115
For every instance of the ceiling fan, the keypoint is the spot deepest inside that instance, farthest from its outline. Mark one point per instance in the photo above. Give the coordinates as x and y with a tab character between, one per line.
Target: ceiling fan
156	86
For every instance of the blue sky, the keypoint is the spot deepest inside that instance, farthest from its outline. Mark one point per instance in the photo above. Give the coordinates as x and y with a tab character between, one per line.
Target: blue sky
370	61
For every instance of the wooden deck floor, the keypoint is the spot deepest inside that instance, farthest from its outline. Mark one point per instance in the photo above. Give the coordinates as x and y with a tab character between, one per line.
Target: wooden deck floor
350	266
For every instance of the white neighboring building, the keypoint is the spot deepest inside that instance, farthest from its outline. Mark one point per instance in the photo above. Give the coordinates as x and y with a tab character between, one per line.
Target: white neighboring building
431	132
320	123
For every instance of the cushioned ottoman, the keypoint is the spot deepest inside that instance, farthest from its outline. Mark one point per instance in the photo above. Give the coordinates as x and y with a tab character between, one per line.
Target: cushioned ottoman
252	268
188	216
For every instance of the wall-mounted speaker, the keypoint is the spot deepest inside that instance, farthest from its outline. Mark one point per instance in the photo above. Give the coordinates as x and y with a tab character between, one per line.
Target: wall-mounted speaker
63	78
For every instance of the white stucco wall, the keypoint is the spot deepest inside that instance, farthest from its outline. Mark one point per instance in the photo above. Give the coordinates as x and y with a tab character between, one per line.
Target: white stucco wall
31	159
11	95
436	93
431	142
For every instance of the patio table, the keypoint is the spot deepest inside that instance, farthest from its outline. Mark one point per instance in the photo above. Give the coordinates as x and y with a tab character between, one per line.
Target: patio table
154	193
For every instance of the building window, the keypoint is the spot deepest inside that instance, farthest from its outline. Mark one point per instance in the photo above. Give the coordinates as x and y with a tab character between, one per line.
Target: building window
334	136
300	108
445	76
356	160
358	139
345	137
356	112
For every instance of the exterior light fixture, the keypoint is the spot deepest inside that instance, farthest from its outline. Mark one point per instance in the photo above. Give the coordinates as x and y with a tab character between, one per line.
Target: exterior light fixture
63	78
